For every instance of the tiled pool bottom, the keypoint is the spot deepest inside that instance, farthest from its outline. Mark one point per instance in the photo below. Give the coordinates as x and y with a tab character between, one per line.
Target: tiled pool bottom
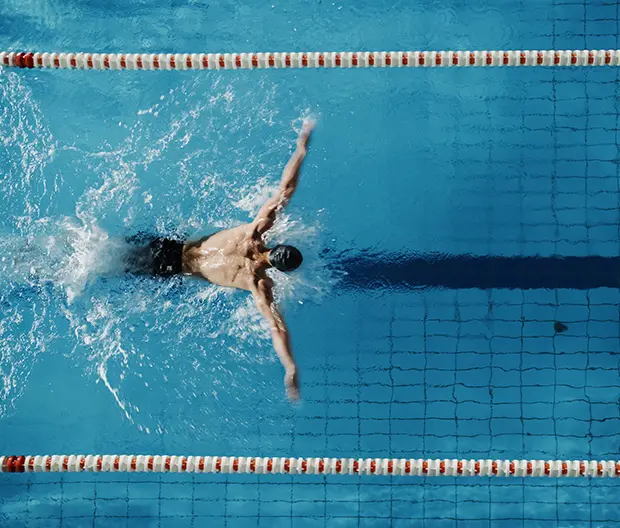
464	374
276	501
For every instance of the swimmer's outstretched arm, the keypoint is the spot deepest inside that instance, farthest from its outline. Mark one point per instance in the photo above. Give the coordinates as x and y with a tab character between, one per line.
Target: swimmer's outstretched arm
263	295
288	184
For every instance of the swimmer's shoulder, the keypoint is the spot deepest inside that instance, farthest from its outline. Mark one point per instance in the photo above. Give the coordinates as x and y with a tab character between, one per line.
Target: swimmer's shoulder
195	244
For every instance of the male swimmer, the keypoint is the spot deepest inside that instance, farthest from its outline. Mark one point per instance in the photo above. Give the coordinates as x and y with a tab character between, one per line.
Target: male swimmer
239	258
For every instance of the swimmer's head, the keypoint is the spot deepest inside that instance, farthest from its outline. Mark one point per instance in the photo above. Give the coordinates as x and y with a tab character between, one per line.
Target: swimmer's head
285	258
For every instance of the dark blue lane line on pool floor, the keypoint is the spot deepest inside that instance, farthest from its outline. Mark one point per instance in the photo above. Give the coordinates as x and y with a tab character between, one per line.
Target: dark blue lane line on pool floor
403	270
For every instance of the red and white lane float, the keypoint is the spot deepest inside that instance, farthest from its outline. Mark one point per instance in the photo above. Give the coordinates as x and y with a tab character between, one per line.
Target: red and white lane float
301	60
309	466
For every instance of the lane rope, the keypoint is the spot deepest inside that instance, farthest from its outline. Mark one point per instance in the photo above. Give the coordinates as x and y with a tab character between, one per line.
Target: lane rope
309	466
334	59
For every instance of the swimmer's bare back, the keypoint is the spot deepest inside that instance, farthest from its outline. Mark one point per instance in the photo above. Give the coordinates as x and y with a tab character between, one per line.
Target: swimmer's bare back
238	258
230	258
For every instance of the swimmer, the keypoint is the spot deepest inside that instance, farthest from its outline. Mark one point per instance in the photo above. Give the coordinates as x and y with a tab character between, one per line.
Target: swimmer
239	258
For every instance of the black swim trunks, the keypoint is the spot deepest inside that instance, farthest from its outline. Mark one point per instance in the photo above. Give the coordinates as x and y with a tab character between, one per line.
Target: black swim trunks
162	257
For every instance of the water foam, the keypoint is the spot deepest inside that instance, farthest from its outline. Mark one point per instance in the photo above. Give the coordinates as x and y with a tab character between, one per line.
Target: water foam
65	252
26	148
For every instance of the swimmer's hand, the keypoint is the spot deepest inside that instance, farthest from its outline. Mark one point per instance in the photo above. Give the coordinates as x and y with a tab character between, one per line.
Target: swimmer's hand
291	382
304	135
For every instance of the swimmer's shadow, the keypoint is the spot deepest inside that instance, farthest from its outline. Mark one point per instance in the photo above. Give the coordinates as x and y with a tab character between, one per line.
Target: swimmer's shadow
415	271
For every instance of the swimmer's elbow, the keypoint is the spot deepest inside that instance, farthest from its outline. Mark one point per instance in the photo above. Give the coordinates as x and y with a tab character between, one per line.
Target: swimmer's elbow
279	331
282	346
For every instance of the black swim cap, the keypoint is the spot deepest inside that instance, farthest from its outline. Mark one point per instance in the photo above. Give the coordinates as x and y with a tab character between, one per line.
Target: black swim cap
285	258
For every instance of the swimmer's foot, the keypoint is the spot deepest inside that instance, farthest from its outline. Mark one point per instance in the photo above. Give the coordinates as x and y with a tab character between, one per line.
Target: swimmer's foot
291	382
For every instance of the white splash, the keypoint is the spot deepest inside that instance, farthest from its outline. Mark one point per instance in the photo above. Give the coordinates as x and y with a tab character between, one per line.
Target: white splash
66	252
131	335
26	149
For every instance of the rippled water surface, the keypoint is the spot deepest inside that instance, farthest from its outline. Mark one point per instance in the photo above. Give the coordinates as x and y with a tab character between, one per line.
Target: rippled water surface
436	314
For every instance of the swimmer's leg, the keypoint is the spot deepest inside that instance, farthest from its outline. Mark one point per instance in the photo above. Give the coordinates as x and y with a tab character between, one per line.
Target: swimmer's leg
138	260
141	238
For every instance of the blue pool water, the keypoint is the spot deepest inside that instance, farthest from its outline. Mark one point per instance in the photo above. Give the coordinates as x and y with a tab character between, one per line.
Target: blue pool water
475	180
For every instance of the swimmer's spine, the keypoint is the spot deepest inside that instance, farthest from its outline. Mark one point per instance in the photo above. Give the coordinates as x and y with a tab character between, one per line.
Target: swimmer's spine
309	466
301	60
